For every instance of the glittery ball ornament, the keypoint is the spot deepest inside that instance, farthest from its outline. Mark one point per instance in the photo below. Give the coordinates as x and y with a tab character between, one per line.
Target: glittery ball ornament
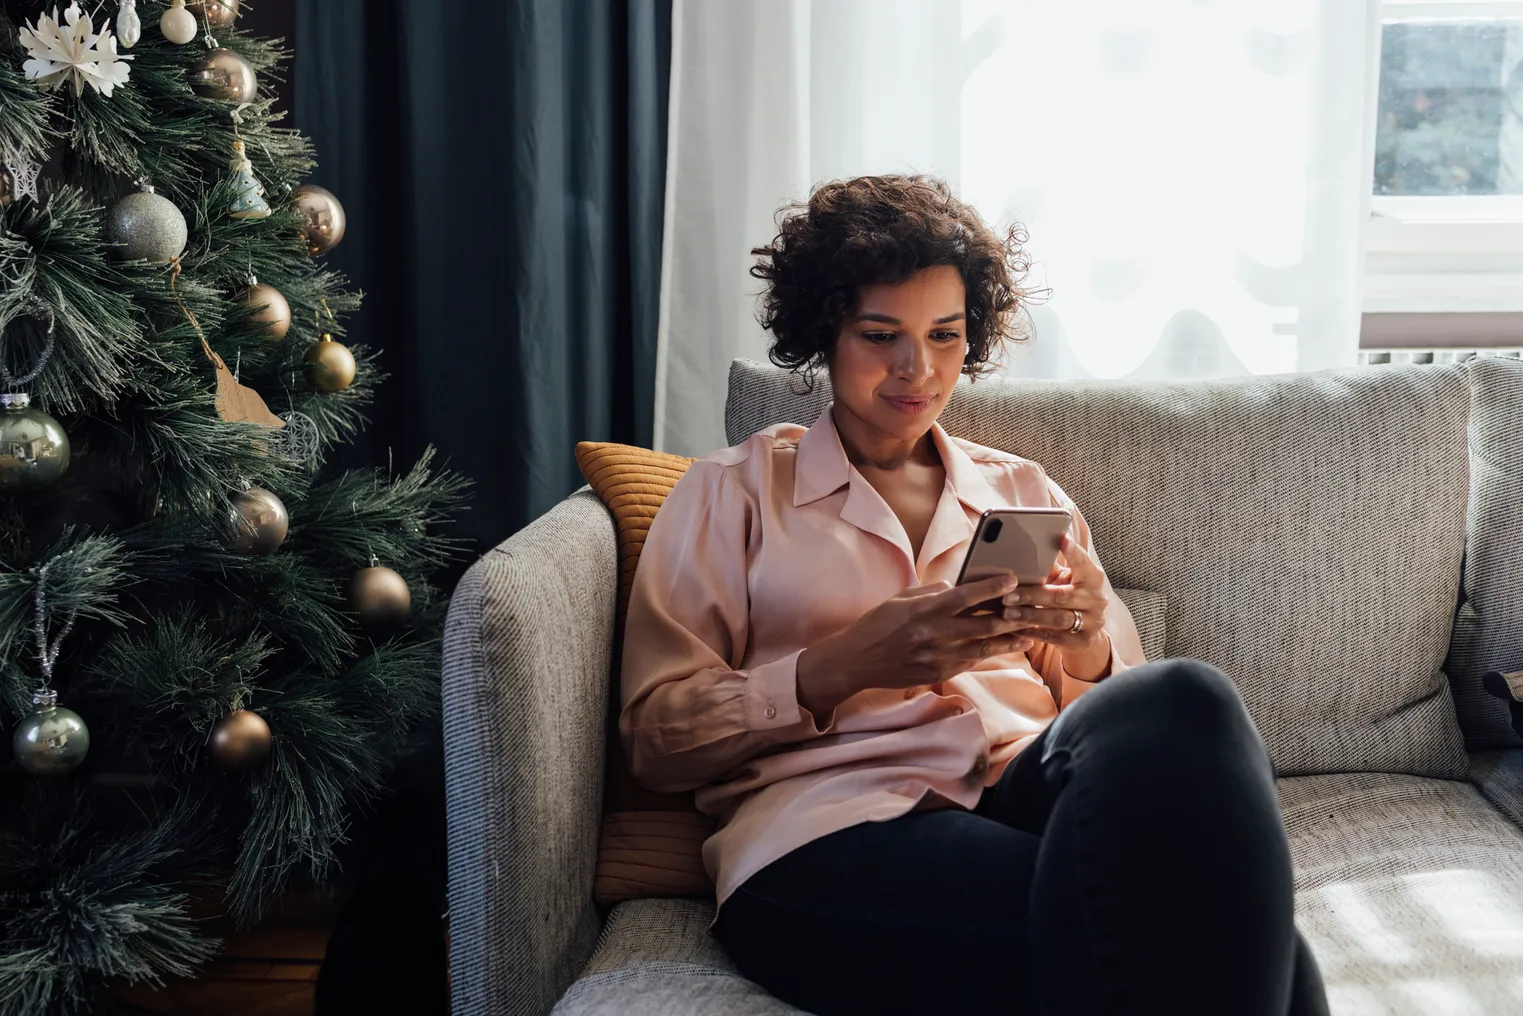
240	741
34	450
146	226
223	74
256	522
51	740
322	217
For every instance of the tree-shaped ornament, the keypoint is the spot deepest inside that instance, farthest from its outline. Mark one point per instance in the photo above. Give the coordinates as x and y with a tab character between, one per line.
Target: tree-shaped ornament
248	199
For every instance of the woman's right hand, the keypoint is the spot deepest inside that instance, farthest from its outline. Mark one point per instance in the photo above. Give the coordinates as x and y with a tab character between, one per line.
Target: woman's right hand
915	638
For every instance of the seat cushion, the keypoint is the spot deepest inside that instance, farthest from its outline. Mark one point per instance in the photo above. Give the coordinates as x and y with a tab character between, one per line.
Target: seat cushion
1410	892
656	958
1307	530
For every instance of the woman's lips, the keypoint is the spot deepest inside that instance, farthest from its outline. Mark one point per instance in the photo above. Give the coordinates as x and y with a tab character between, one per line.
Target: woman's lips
910	404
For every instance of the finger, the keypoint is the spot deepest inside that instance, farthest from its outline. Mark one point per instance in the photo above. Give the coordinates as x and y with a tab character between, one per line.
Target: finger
1079	560
973	629
927	589
964	596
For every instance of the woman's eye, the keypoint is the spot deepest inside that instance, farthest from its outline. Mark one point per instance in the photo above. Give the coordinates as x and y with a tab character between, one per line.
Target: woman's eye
878	337
945	336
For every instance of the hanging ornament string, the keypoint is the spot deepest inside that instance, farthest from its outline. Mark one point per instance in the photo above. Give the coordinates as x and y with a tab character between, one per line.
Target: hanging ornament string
174	274
47	654
12	383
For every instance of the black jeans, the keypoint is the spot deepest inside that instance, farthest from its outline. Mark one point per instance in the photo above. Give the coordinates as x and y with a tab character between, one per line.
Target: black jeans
1130	860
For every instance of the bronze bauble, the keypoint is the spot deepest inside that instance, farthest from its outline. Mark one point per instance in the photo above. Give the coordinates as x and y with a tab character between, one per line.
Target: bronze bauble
52	740
34	448
380	597
223	74
256	522
330	365
270	309
240	740
218	13
322	217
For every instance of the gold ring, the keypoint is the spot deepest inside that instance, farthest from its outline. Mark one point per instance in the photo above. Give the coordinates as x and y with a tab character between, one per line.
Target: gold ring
1078	623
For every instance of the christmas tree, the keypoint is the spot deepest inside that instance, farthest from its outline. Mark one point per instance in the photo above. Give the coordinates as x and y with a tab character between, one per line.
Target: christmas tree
214	654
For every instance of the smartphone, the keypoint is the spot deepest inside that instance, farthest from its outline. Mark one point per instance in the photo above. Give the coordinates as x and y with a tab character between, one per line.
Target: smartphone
1021	541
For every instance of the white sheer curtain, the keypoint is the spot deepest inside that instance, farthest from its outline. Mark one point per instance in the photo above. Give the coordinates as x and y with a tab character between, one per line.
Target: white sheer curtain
1194	174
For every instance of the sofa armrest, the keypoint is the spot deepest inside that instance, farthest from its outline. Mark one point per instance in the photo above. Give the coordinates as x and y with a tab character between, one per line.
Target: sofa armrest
526	673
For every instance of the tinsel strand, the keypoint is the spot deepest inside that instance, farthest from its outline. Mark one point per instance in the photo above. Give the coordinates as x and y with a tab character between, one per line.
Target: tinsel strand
48	655
9	380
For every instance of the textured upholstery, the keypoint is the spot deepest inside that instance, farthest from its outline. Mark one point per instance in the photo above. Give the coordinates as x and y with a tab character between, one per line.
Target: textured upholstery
656	958
1277	513
1410	893
1488	630
526	655
1409	890
1499	775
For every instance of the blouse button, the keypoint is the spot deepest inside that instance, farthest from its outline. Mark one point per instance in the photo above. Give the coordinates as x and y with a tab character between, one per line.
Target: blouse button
770	713
957	711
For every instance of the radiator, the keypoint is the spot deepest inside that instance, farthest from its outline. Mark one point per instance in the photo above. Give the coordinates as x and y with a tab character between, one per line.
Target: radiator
1371	356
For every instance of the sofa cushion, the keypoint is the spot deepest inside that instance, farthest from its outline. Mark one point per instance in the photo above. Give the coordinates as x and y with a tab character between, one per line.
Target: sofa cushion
1499	775
1307	529
1488	630
1410	893
656	958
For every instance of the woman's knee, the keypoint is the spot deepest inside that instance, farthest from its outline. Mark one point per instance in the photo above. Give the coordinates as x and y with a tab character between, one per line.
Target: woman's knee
1183	692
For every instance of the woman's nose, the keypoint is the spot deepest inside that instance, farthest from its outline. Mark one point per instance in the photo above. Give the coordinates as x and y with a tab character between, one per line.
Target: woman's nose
914	361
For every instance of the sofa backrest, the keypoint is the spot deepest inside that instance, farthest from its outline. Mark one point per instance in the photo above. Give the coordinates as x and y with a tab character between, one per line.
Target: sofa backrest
1488	628
1307	530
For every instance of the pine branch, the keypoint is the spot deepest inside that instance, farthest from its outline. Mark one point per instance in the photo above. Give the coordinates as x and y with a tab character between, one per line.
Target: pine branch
27	123
78	907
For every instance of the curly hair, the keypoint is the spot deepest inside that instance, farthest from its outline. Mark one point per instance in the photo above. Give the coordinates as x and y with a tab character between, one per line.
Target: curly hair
881	230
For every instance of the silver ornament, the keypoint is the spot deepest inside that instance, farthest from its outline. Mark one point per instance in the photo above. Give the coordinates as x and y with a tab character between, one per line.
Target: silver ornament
34	450
256	522
52	740
146	226
129	27
298	440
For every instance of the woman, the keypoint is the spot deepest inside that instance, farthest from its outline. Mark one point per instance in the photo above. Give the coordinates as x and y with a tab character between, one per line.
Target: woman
921	810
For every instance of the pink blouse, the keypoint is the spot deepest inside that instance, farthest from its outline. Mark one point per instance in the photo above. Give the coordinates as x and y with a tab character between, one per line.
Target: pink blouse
764	549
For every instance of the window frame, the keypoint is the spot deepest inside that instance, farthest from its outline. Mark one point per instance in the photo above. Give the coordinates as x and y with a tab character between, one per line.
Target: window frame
1443	254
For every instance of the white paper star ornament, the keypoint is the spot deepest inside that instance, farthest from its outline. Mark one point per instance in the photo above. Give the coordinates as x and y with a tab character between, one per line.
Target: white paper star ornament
73	52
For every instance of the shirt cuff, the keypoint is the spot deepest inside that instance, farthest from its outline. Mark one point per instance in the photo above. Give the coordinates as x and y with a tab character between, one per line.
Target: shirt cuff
772	697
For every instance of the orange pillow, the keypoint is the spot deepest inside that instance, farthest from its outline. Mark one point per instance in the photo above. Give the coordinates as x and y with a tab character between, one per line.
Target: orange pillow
651	844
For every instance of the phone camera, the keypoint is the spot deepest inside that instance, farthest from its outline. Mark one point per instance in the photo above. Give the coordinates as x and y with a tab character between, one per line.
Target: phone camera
991	531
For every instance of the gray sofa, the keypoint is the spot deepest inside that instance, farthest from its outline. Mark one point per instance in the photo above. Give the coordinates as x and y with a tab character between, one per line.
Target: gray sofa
1347	545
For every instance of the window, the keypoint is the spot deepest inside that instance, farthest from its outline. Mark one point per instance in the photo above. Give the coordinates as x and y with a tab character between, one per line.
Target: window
1446	226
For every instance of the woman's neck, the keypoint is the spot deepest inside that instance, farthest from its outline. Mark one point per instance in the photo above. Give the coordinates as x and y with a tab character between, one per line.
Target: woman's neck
870	448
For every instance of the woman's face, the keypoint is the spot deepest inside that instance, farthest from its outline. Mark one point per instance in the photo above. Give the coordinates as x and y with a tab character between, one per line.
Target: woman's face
900	351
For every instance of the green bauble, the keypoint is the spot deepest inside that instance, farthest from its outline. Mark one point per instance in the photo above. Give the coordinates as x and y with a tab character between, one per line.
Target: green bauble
146	226
34	450
52	740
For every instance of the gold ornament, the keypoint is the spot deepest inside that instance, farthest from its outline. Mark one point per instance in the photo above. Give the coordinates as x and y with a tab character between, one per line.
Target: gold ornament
269	308
223	74
240	740
322	217
52	740
330	365
256	522
380	597
177	24
218	13
34	449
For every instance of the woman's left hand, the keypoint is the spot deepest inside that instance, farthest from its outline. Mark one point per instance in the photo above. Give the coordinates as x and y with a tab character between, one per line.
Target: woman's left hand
1077	583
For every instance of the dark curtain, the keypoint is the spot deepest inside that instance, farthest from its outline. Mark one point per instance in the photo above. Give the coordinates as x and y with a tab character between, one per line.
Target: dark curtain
502	165
503	168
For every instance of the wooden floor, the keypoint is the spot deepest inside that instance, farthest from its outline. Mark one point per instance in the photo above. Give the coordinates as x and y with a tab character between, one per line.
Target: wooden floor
269	970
